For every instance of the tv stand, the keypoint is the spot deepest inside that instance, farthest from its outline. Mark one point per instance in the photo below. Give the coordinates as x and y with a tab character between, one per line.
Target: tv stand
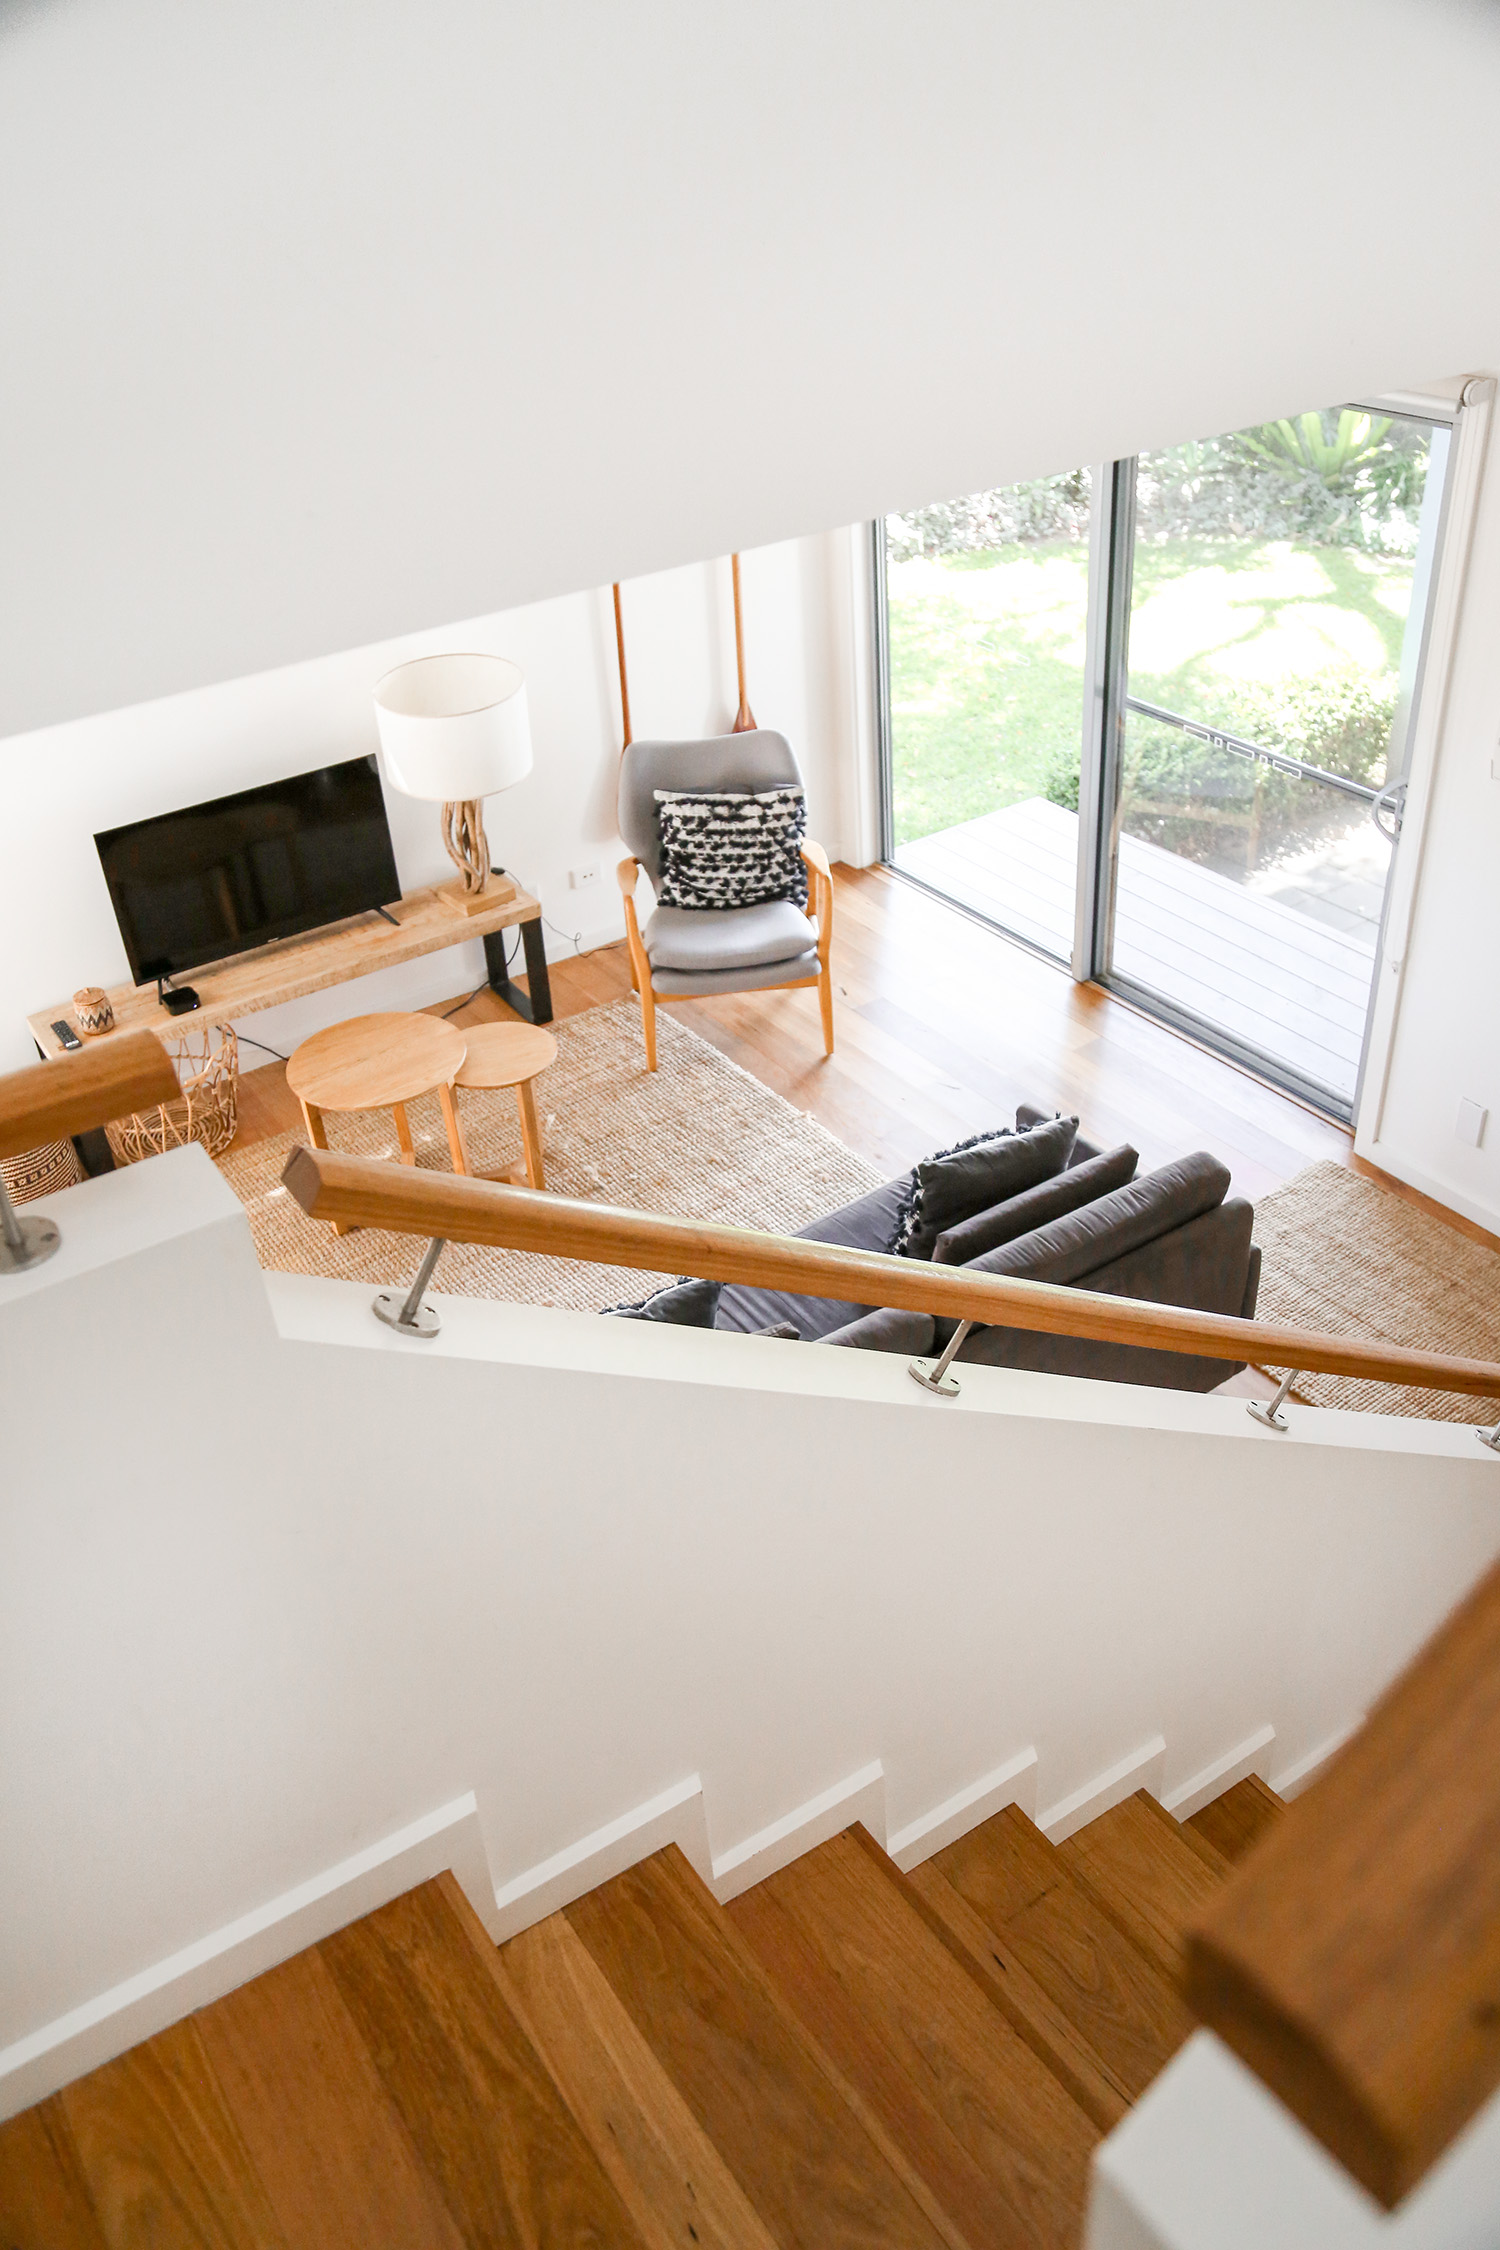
290	968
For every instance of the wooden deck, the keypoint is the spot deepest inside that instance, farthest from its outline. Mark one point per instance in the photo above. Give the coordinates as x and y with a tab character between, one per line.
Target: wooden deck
1279	981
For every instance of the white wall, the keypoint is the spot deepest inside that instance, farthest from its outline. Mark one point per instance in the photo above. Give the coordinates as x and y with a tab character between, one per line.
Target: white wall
59	786
326	323
275	1585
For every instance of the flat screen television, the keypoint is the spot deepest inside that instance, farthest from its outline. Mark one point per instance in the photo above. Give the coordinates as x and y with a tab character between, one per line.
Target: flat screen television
197	885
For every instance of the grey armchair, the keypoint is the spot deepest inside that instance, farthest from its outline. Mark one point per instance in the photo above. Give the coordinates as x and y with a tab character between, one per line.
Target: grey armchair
685	953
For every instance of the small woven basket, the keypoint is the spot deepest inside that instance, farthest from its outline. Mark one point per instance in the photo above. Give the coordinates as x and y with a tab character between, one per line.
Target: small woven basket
41	1171
207	1109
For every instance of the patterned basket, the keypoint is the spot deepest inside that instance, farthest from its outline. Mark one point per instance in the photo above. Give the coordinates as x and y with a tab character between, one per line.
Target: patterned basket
207	1109
41	1171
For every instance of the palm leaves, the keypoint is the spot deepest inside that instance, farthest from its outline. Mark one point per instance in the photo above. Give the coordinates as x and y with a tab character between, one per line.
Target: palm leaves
1309	447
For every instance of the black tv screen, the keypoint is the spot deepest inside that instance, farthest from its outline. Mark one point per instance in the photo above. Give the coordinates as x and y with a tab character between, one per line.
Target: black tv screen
215	879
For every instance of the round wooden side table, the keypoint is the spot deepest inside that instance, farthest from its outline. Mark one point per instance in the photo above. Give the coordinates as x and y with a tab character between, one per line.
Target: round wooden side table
379	1062
510	1054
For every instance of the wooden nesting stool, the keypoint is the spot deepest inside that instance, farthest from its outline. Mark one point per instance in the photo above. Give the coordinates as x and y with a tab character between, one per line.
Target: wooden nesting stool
509	1054
379	1062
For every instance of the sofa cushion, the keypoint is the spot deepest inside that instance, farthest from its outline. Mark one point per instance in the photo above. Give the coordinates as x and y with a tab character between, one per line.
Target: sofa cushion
1036	1206
974	1176
697	938
1027	1116
682	1304
1068	1248
1208	1264
731	847
862	1225
887	1330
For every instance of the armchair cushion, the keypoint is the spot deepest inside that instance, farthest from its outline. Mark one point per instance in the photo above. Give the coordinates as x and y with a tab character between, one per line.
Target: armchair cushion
699	938
691	984
725	848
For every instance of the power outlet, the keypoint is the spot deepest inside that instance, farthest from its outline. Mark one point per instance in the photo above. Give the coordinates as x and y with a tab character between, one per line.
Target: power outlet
583	878
1472	1119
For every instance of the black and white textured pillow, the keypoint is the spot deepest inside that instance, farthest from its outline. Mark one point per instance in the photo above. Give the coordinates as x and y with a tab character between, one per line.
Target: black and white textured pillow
731	847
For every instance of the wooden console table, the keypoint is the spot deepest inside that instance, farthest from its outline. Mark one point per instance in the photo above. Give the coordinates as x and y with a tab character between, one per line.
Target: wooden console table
289	968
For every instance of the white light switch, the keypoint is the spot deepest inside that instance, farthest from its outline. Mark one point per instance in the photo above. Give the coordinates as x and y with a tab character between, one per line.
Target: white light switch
1471	1123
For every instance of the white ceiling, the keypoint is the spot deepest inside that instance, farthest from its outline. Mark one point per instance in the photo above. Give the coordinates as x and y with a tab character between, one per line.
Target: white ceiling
323	320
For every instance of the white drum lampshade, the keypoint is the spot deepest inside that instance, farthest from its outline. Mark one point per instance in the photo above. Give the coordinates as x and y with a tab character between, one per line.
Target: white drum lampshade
455	729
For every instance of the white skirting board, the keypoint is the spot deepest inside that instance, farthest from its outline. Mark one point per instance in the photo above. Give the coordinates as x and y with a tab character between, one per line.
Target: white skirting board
1305	1772
1252	1756
1141	1770
860	1797
142	2005
1011	1784
674	1817
451	1838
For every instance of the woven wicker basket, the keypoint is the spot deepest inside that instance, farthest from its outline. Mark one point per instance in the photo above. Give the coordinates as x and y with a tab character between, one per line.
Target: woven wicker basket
207	1109
41	1171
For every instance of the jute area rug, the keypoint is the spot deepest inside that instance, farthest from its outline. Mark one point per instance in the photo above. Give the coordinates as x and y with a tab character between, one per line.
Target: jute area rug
698	1138
1342	1254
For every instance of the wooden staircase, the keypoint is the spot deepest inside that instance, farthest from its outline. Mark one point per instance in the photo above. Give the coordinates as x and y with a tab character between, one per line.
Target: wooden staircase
845	2056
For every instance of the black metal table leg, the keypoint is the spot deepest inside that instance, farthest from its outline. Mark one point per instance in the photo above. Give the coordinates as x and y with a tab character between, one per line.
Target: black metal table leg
537	1006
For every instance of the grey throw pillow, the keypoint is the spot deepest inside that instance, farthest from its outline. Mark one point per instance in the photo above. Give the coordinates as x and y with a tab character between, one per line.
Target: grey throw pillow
974	1176
682	1304
731	847
889	1329
1067	1191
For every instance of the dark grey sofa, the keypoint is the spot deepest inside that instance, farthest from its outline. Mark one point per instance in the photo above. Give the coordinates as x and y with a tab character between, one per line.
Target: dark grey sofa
1174	1237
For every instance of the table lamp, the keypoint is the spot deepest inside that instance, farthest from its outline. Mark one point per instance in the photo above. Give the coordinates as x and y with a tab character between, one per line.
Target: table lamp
454	729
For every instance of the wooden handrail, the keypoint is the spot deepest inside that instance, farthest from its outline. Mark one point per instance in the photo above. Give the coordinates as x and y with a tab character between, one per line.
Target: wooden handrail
363	1192
1354	1961
131	1070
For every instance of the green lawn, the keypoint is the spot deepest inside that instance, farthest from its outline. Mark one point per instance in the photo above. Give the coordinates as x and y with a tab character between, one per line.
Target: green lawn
987	652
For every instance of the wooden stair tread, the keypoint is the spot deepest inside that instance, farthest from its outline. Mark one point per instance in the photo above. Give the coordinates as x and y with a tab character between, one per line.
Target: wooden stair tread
163	2157
1238	1819
427	1992
337	2162
668	2173
44	2198
998	1968
1017	1884
1000	2146
758	2088
1145	1875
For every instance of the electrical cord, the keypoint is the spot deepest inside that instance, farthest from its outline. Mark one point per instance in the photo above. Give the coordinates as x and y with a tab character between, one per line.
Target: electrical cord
245	1040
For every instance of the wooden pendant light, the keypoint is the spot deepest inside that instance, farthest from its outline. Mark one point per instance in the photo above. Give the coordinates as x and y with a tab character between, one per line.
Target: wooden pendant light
624	683
744	718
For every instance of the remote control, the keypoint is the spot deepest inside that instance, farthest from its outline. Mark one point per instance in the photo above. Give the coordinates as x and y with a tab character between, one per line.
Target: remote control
66	1033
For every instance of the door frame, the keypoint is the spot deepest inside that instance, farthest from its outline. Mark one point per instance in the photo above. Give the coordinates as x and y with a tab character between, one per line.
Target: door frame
1467	412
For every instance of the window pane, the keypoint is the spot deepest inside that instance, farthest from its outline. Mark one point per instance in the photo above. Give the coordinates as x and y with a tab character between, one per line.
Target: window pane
988	611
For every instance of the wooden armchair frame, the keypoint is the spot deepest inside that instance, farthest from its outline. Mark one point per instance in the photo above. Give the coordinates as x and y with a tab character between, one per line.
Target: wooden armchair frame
820	905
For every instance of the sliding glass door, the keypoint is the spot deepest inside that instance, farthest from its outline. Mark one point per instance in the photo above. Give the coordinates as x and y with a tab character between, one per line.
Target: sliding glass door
1278	583
986	611
1222	672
